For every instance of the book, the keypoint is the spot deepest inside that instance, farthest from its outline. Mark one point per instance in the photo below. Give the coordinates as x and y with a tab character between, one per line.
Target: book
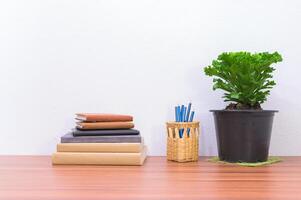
70	138
100	147
104	125
75	158
98	117
77	132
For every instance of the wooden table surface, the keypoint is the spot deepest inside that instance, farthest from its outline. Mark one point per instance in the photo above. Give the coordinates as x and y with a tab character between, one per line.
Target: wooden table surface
33	177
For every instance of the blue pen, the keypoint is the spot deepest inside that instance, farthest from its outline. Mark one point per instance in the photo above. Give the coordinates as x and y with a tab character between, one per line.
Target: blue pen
176	113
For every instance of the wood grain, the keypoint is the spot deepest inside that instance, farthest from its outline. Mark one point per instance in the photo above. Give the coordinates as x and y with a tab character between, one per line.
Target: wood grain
33	177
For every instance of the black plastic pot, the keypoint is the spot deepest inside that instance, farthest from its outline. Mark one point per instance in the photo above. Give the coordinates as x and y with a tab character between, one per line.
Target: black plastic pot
243	135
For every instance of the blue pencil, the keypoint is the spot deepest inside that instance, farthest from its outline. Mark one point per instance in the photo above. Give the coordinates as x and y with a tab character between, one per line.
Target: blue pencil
190	120
184	114
191	116
188	112
183	120
181	114
178	114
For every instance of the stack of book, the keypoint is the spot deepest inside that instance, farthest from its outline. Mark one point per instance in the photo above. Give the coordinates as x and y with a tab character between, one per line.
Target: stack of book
101	139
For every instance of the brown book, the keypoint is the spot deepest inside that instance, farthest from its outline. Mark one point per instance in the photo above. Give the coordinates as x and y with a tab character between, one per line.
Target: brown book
94	117
104	125
75	158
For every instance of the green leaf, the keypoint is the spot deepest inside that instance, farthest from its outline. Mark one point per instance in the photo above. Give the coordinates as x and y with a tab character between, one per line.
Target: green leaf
245	77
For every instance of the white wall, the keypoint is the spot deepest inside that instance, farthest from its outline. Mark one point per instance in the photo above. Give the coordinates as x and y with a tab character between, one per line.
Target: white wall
138	57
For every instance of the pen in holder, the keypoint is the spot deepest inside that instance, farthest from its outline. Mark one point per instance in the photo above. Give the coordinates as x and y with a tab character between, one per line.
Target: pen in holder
183	136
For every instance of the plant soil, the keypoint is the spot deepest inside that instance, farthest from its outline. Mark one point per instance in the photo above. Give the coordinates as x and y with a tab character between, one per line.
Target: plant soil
239	106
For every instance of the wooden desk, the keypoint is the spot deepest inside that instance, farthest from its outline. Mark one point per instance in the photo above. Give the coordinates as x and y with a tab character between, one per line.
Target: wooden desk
33	177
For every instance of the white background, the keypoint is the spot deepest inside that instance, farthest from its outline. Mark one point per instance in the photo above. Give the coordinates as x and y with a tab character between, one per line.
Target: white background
139	57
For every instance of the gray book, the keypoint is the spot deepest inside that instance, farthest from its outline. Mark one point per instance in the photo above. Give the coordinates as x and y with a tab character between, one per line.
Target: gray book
107	132
69	138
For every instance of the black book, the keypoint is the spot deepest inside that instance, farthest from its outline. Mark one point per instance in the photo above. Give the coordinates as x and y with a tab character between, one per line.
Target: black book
77	132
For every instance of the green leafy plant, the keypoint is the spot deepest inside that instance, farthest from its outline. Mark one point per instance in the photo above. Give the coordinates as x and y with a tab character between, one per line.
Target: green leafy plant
246	78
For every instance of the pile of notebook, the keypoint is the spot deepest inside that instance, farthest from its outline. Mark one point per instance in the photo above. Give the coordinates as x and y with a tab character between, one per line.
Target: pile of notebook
101	139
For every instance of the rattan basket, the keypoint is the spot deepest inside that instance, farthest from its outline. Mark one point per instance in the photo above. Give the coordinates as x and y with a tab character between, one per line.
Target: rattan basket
186	148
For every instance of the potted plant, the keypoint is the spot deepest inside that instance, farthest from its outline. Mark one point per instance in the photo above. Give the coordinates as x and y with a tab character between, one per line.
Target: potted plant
243	128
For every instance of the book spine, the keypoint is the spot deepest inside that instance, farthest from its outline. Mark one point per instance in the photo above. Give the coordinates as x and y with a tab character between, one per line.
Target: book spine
100	147
98	158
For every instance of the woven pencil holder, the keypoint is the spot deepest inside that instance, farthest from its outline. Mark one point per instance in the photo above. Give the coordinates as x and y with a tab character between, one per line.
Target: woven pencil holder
186	148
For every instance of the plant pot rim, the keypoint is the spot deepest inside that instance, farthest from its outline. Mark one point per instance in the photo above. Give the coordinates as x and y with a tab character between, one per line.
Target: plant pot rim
246	111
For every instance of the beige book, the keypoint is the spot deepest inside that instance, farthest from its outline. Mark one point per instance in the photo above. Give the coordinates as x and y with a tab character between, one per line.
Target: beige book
100	147
75	158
